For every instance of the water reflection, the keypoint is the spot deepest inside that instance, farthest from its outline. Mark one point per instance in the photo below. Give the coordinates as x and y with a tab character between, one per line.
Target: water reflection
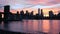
54	29
33	26
40	25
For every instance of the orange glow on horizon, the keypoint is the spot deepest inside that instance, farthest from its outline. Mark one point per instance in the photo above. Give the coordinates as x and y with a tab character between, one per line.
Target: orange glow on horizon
45	10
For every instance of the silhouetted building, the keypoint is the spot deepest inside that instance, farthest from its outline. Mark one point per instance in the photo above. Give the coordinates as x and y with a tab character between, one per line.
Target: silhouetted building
11	16
17	16
58	15
6	12
21	14
51	15
42	13
31	15
39	11
32	12
27	14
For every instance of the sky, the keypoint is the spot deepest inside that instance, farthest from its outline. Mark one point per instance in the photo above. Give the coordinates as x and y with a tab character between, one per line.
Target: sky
46	5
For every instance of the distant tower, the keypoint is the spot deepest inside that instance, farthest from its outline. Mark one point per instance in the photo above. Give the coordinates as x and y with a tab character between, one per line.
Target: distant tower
6	12
42	12
51	14
32	13
39	11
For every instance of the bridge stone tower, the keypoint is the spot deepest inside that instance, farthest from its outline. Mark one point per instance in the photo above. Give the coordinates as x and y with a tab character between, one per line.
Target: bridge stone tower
6	12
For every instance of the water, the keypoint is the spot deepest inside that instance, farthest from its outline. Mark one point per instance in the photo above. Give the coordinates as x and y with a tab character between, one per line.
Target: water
33	26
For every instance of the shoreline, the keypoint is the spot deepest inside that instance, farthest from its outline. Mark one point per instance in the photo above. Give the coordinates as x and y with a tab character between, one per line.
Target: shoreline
10	32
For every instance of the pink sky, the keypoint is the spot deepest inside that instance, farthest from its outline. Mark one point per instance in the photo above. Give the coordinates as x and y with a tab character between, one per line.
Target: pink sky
46	5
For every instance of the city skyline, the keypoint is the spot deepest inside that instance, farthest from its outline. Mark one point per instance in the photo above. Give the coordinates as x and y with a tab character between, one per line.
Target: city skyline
18	5
28	15
45	11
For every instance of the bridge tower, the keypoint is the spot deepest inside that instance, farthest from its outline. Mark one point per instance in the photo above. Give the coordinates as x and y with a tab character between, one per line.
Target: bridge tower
6	12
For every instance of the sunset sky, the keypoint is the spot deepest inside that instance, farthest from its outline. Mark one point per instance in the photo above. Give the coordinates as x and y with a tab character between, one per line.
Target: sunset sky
46	5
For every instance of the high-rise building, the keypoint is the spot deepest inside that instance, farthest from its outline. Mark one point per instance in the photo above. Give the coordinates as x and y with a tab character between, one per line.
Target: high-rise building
6	12
51	14
42	12
39	11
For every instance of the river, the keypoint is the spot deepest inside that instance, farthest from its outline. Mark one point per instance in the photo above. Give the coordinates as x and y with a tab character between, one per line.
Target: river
32	26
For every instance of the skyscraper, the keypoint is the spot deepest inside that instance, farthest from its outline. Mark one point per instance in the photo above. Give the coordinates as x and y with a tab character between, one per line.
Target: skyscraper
51	14
6	12
42	12
39	11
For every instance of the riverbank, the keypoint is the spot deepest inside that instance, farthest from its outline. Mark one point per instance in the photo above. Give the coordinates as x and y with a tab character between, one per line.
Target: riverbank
10	32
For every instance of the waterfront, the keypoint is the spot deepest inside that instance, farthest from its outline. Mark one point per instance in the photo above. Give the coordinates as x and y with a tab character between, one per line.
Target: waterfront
33	26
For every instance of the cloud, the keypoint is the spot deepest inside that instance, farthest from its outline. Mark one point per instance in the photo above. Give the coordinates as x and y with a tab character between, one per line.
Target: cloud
28	3
52	6
20	6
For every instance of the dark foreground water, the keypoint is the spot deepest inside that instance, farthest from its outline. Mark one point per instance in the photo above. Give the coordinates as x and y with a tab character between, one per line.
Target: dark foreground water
33	26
